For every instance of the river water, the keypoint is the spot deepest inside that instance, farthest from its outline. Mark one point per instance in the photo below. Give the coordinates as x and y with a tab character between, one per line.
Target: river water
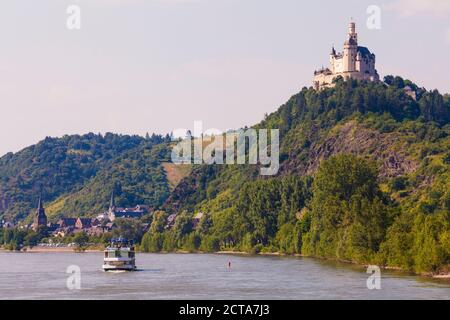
203	276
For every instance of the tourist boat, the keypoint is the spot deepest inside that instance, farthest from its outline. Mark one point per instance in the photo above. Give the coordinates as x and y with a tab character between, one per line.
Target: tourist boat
119	256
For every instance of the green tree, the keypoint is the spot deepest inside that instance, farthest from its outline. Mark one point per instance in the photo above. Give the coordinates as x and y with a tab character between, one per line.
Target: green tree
182	226
210	244
192	242
286	239
159	222
129	229
152	242
81	239
32	239
348	215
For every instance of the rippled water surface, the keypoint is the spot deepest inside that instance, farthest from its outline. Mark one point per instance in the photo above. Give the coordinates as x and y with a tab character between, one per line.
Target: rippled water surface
197	276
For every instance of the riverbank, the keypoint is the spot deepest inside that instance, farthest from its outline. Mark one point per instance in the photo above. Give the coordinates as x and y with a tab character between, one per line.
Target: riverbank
441	276
59	249
39	249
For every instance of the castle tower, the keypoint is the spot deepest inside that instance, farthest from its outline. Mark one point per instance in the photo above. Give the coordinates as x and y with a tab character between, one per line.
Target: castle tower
351	49
352	32
40	218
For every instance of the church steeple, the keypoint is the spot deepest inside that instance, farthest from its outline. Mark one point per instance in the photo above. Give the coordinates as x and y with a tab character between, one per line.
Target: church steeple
112	208
112	202
40	218
40	204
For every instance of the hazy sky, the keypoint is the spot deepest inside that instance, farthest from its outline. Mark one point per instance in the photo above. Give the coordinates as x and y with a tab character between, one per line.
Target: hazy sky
141	66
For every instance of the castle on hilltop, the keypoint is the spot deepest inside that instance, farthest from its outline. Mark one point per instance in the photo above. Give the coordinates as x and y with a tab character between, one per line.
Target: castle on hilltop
354	62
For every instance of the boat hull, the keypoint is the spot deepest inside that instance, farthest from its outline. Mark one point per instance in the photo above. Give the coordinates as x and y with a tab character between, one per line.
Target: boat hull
107	268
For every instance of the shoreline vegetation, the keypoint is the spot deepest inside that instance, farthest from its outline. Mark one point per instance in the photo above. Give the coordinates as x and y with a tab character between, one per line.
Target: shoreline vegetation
96	249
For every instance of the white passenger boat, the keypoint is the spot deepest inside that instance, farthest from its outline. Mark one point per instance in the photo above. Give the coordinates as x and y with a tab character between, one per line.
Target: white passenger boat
119	256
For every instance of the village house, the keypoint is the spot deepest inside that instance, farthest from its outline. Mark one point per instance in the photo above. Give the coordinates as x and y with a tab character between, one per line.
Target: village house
86	223
7	225
52	227
66	223
83	223
108	227
103	216
131	213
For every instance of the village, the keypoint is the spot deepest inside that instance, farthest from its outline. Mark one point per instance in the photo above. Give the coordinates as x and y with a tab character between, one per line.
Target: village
103	223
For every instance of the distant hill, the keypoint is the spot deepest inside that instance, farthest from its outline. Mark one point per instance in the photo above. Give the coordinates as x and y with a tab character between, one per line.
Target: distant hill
137	176
373	120
63	167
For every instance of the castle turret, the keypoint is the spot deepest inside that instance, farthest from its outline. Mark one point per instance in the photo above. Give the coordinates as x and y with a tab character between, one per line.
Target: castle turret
352	32
333	51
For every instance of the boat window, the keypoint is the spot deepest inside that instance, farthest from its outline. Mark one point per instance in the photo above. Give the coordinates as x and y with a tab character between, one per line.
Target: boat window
112	254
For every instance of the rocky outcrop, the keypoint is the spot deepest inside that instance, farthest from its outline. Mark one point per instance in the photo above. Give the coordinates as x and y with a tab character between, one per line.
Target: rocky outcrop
353	138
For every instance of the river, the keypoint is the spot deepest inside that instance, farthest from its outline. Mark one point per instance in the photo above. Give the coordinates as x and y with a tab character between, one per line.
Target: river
203	276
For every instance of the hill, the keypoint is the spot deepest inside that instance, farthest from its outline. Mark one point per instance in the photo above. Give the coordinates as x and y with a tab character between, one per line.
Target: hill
327	138
137	176
63	167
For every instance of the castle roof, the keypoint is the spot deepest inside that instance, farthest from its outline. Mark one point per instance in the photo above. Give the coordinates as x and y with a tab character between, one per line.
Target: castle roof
365	52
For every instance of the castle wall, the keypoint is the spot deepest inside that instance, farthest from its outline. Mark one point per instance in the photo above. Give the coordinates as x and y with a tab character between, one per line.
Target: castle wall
337	65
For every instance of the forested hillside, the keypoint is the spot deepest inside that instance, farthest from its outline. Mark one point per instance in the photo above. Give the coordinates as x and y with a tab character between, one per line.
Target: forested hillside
364	177
136	177
63	166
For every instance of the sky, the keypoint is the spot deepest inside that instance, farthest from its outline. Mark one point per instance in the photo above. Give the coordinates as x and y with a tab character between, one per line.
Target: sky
138	66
